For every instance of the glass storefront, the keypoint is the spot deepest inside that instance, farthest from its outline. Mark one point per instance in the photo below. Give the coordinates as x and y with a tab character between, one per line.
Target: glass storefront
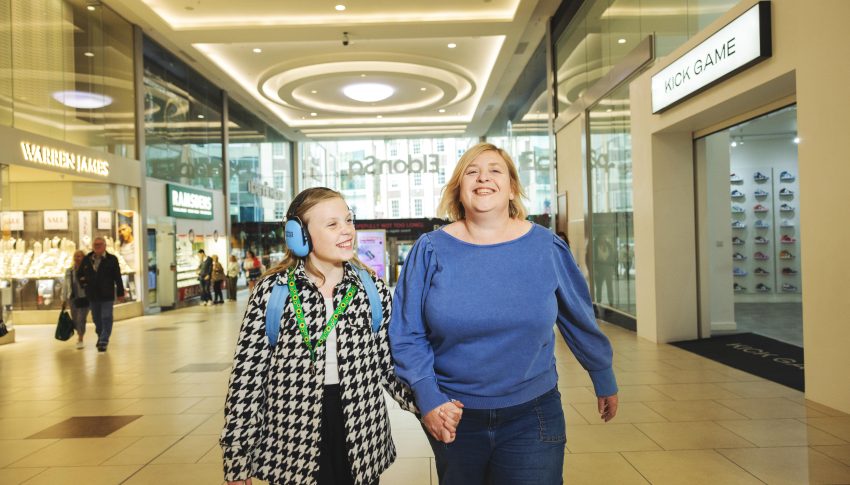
66	72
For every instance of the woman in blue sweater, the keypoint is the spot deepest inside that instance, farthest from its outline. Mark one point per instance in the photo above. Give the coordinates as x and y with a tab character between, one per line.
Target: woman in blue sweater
472	328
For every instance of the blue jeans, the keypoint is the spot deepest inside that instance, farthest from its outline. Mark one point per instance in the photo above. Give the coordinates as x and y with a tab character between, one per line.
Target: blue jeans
101	313
517	445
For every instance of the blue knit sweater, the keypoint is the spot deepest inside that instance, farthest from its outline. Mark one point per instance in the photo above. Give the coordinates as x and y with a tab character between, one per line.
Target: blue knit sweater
474	322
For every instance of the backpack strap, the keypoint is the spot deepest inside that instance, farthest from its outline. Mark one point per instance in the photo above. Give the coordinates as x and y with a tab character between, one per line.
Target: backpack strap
374	298
274	312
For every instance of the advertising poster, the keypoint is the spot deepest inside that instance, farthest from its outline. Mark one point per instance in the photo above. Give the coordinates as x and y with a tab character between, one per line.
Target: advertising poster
85	222
104	220
127	238
371	249
56	220
13	221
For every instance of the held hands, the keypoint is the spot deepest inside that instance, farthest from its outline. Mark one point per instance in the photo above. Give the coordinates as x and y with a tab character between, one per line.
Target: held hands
442	421
608	407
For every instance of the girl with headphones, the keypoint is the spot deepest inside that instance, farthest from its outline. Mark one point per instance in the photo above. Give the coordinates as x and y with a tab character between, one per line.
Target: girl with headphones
310	409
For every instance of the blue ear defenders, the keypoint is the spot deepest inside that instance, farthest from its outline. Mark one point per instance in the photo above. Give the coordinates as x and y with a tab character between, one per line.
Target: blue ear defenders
297	237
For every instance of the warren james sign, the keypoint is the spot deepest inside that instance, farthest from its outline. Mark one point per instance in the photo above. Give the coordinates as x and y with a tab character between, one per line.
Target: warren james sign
52	157
742	43
188	203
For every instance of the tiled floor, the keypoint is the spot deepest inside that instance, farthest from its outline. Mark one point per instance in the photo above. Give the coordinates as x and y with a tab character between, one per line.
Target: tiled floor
683	419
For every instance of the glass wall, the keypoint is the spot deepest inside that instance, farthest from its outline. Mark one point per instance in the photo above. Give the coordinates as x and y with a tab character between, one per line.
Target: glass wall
384	179
183	127
66	71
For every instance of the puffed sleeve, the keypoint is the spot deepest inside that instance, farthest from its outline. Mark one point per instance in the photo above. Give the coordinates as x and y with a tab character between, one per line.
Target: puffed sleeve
411	350
399	390
243	410
577	322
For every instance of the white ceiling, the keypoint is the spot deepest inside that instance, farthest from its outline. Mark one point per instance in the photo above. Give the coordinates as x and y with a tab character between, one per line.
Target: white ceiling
296	81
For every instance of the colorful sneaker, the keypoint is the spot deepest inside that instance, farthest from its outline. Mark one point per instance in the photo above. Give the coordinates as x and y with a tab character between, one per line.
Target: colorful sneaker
786	176
736	241
760	224
738	288
735	179
787	223
789	271
761	240
760	208
761	272
760	256
789	288
738	224
760	193
736	209
785	255
786	208
738	257
786	239
762	288
760	177
786	193
737	194
739	272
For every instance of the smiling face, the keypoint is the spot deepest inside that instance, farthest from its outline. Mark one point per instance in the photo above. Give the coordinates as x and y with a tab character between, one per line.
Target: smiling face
331	228
485	186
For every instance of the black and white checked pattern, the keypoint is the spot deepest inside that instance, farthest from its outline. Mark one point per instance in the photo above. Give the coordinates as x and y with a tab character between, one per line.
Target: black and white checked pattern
273	408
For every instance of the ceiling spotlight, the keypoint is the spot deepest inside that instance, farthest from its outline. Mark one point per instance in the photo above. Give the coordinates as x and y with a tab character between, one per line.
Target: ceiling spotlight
621	41
257	50
379	116
734	144
82	99
90	8
609	110
314	114
313	92
340	8
796	140
368	92
88	54
362	75
441	110
423	89
200	117
452	45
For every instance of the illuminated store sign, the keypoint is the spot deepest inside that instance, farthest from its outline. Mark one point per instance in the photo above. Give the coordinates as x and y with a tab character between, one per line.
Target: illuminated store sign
257	187
739	45
53	157
188	203
372	166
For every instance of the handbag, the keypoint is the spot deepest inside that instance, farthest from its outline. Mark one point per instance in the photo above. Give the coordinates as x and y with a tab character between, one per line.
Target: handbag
65	326
81	302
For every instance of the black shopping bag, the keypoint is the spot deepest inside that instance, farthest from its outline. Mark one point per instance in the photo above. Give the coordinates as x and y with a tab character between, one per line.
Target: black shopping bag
65	326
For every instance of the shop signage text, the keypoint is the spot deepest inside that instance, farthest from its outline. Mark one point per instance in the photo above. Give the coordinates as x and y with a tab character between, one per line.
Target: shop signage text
257	187
74	162
742	43
372	166
56	220
12	221
188	203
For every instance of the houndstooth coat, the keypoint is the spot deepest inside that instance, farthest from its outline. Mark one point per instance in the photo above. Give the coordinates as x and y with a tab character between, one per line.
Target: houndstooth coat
274	402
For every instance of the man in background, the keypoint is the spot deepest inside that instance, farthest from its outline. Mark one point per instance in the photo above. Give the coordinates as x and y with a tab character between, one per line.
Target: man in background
205	277
100	276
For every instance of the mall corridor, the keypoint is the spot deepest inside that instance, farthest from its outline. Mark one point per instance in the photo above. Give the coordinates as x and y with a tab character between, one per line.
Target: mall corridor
149	411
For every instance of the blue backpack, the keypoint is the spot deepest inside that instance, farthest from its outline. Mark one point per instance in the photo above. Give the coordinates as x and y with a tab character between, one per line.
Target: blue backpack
280	295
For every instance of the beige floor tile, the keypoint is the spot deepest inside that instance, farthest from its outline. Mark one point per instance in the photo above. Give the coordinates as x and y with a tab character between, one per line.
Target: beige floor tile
28	409
689	392
780	432
207	405
156	390
789	465
634	412
408	471
212	426
695	376
769	408
824	409
40	393
693	410
761	389
188	449
181	474
400	419
214	456
163	405
640	378
574	378
20	428
836	426
611	437
435	479
839	452
596	468
572	416
142	451
75	452
641	393
14	450
412	443
14	476
570	395
92	407
162	425
695	435
97	392
217	389
696	467
101	475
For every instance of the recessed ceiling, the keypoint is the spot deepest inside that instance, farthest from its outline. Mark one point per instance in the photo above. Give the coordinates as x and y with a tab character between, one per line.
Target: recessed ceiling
295	58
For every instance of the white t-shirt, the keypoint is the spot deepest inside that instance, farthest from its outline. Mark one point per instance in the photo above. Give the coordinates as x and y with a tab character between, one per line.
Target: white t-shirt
331	367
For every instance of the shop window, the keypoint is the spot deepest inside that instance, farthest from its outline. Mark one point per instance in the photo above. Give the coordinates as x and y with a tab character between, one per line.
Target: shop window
417	207
441	176
417	179
395	209
440	145
416	147
279	210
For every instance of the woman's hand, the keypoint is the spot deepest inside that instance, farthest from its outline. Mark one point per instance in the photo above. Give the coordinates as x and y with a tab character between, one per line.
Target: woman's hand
608	407
442	421
240	482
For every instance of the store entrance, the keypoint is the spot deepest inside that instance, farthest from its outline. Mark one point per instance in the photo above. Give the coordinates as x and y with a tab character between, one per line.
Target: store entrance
748	220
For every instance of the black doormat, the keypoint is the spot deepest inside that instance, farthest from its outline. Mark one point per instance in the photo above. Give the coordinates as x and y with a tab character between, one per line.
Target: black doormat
759	355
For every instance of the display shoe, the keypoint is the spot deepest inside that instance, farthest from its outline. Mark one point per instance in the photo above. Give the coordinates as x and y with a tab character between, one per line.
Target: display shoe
789	271
738	257
739	272
786	193
760	208
738	224
736	241
786	208
760	193
786	176
760	177
735	179
760	256
787	223
736	209
737	194
761	224
786	255
761	272
738	288
786	239
789	288
763	288
761	240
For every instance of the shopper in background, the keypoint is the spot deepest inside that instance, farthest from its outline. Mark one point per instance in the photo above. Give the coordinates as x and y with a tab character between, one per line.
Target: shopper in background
232	275
100	277
563	236
472	322
604	266
306	412
205	277
74	297
253	269
217	280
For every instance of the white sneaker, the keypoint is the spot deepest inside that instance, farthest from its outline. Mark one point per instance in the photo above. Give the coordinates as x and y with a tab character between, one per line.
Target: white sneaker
80	345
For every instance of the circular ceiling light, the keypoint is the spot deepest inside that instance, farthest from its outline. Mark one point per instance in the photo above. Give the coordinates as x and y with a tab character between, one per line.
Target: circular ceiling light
88	54
452	45
82	99
340	8
90	8
423	89
621	41
368	92
441	110
257	50
314	114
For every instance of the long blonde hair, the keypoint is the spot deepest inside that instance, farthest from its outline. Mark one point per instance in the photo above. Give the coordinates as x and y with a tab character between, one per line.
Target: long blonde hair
300	206
450	205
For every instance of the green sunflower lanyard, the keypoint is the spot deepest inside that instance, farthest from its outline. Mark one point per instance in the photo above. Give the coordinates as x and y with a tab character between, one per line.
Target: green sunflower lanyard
302	325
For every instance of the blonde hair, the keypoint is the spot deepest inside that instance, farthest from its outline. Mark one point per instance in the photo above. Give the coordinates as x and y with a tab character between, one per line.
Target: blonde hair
300	206
450	205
